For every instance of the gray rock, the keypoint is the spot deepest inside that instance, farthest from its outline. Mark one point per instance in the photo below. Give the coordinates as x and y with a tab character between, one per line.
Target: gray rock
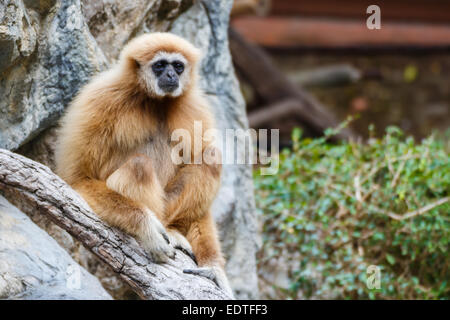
47	54
113	23
34	266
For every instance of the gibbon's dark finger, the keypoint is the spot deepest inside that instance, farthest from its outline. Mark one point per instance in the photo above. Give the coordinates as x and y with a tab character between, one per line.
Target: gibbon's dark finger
163	232
187	252
171	254
166	237
161	257
216	275
203	272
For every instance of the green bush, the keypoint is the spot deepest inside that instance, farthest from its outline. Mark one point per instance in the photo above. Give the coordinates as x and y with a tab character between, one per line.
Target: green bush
342	207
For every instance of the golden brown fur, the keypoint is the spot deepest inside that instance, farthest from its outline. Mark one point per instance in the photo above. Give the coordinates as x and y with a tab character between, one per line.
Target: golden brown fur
114	149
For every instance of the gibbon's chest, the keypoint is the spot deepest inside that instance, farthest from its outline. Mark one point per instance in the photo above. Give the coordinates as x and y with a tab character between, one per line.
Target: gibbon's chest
158	148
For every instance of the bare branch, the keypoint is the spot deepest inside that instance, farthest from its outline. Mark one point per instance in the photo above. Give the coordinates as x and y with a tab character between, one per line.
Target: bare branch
414	213
33	187
279	109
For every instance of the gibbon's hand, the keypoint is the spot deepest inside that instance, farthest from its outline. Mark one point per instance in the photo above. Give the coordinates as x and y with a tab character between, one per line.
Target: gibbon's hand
214	273
178	241
155	240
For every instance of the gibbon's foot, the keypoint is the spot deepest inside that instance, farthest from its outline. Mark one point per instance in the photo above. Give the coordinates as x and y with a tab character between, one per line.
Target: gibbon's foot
155	239
178	241
215	274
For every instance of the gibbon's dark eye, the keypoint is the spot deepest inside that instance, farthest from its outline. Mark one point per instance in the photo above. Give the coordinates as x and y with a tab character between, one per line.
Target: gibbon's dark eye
178	66
159	66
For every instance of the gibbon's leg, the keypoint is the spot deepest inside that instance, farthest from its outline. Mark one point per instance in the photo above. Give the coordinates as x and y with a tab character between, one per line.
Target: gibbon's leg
127	214
189	196
136	180
192	190
202	235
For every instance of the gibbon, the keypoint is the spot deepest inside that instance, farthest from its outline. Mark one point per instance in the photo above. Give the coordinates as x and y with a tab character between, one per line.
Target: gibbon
114	148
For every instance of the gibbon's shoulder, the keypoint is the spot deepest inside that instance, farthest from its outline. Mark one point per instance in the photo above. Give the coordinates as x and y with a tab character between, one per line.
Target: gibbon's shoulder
96	96
101	84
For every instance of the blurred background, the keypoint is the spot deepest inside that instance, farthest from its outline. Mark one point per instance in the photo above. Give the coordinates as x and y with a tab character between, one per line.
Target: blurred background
398	75
374	193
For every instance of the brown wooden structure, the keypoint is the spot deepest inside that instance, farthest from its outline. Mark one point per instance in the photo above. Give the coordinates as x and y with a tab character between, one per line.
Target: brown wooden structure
431	11
342	24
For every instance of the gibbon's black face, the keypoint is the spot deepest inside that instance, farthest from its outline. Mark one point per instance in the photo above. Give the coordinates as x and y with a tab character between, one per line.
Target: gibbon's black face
167	73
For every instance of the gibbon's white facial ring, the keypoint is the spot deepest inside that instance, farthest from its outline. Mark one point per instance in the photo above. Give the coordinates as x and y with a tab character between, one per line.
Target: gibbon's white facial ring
166	74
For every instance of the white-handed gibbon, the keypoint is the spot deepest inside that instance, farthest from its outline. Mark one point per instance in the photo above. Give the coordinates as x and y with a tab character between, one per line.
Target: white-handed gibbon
114	148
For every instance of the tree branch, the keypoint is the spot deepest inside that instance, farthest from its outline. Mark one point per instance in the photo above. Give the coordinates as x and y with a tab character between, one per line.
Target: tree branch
280	109
414	213
33	187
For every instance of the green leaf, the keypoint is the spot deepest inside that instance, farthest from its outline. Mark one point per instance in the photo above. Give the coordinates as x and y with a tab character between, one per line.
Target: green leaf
310	214
410	73
390	258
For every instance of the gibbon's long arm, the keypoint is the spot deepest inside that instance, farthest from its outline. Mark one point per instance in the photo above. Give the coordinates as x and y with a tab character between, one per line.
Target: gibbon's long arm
109	205
126	214
137	180
190	195
191	191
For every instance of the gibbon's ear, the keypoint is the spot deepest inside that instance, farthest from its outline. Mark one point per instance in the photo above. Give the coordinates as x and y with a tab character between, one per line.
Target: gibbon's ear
137	64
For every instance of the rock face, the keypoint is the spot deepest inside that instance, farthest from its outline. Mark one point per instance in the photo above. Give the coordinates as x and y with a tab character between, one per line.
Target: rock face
34	266
55	46
47	54
113	23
